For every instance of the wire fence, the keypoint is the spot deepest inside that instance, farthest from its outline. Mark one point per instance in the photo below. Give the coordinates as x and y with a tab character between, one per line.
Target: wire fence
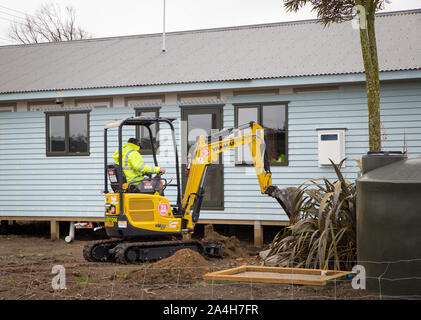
29	279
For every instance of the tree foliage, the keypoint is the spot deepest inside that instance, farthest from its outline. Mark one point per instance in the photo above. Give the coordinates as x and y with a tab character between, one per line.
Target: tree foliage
333	11
50	23
337	11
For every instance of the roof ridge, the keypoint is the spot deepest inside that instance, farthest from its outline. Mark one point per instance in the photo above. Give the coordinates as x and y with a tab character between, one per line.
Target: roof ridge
215	29
399	12
252	26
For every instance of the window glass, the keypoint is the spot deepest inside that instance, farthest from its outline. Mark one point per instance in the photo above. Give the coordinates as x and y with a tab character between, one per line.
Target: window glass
204	121
144	137
143	133
197	125
273	119
78	132
57	133
67	134
245	115
274	124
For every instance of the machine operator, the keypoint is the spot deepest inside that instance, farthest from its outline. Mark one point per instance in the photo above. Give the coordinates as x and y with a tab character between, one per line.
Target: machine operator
134	167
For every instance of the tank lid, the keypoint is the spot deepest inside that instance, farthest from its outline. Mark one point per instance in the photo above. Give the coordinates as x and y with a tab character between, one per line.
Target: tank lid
386	153
401	171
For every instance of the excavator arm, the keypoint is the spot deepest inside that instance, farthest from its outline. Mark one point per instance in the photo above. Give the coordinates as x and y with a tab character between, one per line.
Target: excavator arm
207	150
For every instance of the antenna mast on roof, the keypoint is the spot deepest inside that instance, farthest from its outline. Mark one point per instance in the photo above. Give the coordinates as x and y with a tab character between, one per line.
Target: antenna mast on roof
163	32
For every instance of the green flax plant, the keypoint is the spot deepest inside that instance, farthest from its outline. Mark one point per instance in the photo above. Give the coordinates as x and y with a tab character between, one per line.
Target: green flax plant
322	233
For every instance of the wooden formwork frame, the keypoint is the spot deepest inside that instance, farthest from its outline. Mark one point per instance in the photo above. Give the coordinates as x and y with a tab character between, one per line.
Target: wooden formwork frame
315	277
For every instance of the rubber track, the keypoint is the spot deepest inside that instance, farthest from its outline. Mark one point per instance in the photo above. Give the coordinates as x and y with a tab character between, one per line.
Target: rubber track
87	249
121	249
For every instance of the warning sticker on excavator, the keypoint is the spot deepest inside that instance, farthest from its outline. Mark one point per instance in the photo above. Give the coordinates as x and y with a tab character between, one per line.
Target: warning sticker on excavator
205	152
113	200
163	208
122	224
173	224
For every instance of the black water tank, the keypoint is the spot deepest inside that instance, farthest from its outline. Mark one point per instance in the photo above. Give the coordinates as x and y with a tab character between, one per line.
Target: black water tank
389	224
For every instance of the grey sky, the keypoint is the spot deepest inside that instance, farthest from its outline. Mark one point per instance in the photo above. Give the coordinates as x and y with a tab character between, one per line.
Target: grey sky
107	18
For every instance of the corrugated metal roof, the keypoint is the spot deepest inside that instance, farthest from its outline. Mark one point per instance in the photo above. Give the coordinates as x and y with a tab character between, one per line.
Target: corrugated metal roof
289	49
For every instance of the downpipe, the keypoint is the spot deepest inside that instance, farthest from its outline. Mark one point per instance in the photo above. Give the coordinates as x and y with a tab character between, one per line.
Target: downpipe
71	235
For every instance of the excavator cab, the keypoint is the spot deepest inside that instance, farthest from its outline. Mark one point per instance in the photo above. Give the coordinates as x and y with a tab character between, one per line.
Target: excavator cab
141	210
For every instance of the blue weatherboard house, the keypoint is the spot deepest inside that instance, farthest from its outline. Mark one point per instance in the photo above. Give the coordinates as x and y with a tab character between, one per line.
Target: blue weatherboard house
303	82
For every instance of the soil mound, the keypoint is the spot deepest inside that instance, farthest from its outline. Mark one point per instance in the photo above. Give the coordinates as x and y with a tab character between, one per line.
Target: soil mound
184	266
231	246
183	258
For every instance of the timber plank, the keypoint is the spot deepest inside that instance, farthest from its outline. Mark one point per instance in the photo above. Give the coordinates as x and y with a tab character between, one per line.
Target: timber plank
302	276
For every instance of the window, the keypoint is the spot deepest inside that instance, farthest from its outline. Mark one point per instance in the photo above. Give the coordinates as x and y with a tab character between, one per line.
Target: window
67	133
273	118
94	103
142	133
43	106
197	121
8	107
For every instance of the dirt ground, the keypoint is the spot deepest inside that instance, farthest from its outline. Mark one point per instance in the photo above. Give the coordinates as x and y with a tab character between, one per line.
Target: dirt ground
27	258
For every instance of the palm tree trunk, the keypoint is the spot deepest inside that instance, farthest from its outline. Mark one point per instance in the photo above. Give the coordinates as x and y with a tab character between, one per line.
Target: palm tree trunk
371	66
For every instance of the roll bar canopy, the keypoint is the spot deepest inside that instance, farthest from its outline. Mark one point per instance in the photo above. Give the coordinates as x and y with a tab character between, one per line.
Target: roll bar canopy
139	121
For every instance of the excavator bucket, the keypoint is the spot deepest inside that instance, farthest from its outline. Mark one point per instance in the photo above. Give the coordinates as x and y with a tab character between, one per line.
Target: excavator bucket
287	198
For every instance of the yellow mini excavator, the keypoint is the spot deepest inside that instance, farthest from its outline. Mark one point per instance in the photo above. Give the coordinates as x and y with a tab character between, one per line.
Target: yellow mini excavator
141	222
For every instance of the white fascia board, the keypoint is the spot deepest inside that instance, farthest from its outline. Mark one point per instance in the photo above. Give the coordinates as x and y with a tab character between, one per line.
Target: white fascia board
217	85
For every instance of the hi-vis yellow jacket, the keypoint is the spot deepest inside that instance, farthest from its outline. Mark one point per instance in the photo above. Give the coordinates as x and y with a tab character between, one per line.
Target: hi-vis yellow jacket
134	167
